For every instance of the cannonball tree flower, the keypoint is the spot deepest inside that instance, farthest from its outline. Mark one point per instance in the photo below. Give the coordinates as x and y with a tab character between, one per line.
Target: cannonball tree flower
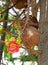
13	46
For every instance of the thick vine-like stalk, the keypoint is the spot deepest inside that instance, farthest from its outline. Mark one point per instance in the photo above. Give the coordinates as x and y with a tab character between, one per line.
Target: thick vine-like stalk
27	17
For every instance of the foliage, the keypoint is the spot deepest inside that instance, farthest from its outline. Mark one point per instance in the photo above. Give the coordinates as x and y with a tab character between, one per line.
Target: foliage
1	14
8	55
14	33
10	17
32	57
22	57
1	29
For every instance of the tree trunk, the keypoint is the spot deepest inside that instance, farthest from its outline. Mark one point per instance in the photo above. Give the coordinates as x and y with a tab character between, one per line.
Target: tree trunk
43	27
46	10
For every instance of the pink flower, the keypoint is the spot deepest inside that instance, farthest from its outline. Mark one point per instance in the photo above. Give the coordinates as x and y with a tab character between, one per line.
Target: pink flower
13	46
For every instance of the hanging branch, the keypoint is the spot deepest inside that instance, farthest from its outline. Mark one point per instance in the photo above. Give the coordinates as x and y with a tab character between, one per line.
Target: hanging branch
3	31
10	7
27	18
22	12
17	17
32	51
13	20
15	11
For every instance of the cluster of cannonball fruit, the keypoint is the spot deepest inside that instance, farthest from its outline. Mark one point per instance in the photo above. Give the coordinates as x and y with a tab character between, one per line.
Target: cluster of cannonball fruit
30	35
20	3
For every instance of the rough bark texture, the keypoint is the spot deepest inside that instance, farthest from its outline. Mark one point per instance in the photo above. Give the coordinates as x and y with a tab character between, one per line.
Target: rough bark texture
43	27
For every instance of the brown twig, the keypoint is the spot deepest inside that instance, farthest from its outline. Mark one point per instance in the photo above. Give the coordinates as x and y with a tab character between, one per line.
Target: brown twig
9	7
33	51
9	32
7	20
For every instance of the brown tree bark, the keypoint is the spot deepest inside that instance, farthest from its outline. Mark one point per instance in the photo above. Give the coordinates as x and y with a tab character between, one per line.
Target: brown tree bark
43	27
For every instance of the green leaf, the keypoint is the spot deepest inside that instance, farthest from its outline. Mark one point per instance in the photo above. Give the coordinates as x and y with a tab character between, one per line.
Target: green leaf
11	17
19	40
7	36
9	55
1	28
32	57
